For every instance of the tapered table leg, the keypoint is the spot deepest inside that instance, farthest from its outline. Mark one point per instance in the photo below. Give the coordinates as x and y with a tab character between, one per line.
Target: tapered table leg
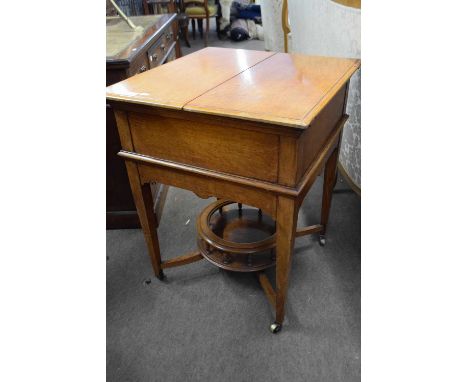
329	181
286	222
144	204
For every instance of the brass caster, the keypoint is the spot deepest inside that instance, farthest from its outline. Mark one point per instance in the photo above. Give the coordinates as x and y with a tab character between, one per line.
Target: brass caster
322	240
161	276
275	328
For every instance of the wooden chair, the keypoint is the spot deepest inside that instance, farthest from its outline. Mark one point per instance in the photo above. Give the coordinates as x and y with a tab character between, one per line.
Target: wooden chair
200	10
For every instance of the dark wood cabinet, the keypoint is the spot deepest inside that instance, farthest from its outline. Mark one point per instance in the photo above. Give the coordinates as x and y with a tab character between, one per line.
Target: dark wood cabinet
129	53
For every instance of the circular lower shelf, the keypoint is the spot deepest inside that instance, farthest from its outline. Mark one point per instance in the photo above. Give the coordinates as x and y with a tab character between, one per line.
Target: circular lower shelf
237	239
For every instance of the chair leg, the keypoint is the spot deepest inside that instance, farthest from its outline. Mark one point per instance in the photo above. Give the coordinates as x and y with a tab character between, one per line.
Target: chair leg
193	29
200	26
145	7
185	31
218	29
207	30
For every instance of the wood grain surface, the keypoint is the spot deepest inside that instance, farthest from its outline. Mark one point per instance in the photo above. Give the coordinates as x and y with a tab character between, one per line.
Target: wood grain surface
175	84
209	146
285	89
276	88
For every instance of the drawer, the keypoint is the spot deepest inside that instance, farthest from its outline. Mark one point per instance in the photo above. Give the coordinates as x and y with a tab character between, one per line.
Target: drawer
140	65
172	55
158	51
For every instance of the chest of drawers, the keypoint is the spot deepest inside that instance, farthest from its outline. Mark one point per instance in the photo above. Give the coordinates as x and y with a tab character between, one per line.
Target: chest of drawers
129	53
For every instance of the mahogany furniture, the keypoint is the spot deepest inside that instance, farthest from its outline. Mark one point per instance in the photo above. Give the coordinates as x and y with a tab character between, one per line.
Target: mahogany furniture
169	6
128	53
246	126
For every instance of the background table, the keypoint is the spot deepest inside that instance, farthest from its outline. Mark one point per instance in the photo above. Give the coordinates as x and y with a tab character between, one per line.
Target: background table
127	54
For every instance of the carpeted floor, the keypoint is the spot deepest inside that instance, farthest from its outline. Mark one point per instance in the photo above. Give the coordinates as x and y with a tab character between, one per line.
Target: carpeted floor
213	40
205	324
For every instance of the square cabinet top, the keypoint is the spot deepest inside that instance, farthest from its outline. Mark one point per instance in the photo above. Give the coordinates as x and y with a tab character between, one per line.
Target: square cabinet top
276	88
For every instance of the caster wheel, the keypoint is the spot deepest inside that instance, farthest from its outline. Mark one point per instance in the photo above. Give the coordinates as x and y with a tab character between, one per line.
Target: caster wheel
275	328
161	275
322	240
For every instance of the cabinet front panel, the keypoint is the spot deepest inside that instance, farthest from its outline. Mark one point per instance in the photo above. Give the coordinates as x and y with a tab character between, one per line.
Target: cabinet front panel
219	148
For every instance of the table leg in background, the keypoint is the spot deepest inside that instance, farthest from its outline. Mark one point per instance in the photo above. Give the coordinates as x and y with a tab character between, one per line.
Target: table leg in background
329	179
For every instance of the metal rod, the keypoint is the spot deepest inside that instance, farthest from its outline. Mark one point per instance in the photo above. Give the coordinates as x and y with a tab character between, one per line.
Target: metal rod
123	15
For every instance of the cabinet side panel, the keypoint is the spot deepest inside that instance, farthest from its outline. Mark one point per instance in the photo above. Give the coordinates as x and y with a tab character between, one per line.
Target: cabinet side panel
314	137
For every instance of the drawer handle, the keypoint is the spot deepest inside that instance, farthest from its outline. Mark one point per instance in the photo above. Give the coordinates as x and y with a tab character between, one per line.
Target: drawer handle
163	47
143	69
154	57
